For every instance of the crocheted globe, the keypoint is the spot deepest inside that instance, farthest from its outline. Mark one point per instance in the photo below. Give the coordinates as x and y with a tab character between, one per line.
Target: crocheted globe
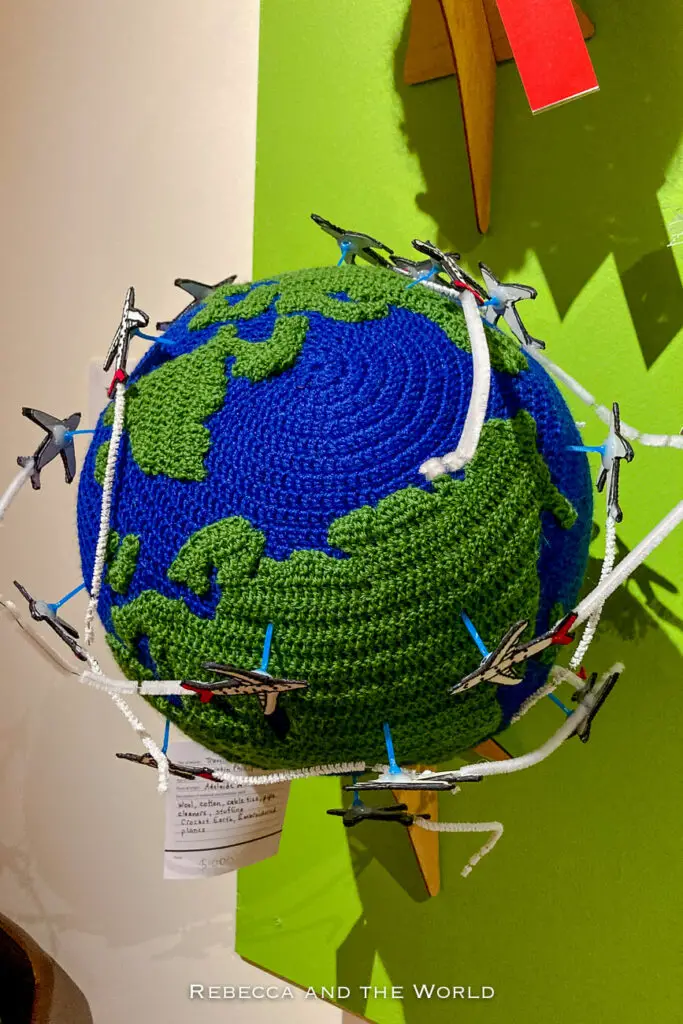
269	473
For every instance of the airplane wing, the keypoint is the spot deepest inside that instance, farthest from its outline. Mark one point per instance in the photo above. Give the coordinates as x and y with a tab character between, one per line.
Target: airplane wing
412	266
328	226
490	280
113	349
72	421
23	592
196	289
514	322
68	639
439	785
67	627
42	419
264	682
429	249
68	455
374	257
517	292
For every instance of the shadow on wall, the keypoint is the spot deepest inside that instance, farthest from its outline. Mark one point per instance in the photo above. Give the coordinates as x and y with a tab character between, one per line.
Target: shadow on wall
631	762
578	183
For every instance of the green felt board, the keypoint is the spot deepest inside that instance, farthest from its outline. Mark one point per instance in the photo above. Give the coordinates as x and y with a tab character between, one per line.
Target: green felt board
577	916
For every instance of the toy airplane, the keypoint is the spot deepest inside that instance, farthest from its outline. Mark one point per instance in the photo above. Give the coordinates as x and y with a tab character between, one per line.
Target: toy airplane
588	696
448	265
58	441
496	667
41	611
181	771
615	448
502	303
241	682
354	243
198	291
384	782
421	270
132	320
356	813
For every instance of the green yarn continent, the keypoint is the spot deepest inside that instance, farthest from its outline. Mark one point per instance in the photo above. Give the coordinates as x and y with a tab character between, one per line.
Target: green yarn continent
377	633
373	293
122	557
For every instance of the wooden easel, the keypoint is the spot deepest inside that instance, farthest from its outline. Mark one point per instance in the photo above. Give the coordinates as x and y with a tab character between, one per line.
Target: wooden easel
467	38
426	844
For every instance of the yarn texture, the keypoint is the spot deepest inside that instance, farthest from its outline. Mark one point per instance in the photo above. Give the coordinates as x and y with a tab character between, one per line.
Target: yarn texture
269	472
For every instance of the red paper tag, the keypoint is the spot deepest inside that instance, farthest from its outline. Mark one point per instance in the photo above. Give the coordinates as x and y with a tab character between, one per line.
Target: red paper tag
549	49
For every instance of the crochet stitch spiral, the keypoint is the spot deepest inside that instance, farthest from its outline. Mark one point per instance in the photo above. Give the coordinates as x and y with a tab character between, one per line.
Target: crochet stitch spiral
269	472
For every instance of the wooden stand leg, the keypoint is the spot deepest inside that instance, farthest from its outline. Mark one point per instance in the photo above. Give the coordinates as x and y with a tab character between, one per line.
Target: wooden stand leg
425	844
466	38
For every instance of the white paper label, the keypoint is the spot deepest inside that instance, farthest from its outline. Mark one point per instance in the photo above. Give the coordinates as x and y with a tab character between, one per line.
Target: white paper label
213	827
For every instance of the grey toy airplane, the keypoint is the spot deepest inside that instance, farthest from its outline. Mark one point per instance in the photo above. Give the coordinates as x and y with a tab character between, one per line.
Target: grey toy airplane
131	321
58	441
198	291
421	268
448	265
41	611
615	448
358	812
503	299
354	243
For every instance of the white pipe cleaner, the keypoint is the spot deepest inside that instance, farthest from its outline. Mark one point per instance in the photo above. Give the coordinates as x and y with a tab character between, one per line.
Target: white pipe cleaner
604	414
594	619
147	741
105	511
479	397
494	827
16	485
628	564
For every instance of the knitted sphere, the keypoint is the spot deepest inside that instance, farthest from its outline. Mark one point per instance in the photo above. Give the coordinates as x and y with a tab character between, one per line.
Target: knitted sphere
269	472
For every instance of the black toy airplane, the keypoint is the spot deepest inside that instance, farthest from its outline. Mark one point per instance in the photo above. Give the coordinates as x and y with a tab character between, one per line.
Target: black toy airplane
502	303
198	291
58	441
41	611
181	771
354	243
496	666
449	266
615	448
132	320
589	698
358	812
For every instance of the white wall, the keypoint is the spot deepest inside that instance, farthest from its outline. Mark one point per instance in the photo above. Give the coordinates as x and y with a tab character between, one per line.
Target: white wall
128	135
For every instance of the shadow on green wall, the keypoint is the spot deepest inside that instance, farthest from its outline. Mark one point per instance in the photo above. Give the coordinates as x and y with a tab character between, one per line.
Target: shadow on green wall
578	183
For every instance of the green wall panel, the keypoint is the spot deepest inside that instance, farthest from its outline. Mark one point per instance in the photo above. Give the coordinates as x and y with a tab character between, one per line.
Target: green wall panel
577	915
